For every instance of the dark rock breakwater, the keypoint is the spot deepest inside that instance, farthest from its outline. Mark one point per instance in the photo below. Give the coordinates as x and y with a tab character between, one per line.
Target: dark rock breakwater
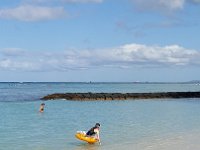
120	96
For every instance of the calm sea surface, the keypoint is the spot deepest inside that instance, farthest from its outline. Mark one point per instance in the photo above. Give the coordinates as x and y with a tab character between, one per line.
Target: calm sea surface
132	124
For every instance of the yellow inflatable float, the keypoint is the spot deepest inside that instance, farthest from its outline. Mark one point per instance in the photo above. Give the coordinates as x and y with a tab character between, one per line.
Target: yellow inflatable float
82	136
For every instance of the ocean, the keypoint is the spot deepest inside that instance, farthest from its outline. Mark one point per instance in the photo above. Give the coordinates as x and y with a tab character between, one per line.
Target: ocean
155	124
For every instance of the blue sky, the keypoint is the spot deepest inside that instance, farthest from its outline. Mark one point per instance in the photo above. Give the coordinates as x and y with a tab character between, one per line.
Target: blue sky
99	40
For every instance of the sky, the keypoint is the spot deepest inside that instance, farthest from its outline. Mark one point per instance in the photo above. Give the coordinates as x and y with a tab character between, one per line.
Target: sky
99	40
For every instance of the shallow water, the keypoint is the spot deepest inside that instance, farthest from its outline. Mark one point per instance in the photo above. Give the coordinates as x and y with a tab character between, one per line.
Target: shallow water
132	124
123	123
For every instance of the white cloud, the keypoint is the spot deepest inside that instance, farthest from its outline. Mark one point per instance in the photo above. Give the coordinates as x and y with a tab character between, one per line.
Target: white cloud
12	52
13	65
66	1
83	1
142	55
195	1
126	56
164	6
159	5
32	13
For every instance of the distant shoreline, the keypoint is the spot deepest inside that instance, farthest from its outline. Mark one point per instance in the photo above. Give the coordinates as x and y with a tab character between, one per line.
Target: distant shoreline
91	82
120	96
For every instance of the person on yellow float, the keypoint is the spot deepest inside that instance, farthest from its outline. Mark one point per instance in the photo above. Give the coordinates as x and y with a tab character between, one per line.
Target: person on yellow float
94	132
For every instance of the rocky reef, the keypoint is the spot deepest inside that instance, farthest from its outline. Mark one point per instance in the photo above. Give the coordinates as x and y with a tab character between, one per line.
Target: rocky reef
120	96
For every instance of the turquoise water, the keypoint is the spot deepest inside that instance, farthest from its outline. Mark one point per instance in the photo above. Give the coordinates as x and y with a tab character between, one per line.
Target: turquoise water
132	124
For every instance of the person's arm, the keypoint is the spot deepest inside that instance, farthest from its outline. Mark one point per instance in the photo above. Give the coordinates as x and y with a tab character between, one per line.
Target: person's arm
98	137
41	109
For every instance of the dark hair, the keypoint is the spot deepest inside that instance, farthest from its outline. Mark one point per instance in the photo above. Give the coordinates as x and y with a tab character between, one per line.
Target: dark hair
97	125
43	104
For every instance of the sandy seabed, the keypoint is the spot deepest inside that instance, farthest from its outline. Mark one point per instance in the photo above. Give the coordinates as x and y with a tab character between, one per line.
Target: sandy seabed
189	141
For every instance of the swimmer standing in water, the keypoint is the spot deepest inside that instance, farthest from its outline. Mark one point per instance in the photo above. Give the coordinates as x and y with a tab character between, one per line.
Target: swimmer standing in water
42	107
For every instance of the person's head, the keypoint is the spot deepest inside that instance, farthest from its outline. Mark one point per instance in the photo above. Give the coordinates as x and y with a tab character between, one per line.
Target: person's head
97	125
42	104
